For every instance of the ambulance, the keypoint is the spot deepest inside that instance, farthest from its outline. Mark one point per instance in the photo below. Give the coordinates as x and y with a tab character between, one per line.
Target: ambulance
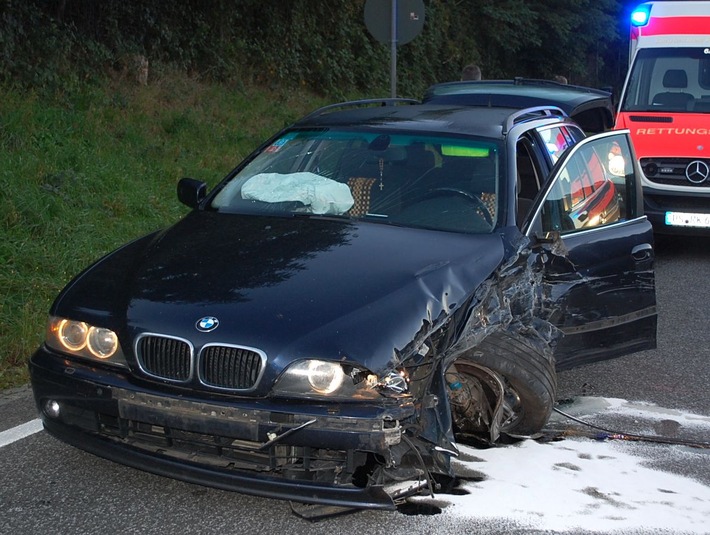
665	104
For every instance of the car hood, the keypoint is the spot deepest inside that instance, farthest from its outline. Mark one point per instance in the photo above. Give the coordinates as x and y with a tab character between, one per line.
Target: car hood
670	136
291	287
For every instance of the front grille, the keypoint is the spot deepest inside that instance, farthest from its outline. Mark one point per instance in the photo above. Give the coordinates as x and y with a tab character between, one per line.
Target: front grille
219	366
671	171
230	367
167	358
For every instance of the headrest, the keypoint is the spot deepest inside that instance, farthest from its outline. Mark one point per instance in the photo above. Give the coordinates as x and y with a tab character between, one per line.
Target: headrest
675	78
419	157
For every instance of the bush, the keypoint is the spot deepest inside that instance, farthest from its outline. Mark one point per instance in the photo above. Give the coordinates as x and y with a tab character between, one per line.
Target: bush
54	45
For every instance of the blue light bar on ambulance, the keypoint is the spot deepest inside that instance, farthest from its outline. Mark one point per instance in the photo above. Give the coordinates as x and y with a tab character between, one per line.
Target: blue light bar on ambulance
641	15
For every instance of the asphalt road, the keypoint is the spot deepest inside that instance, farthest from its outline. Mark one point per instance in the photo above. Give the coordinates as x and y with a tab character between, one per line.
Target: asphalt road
48	487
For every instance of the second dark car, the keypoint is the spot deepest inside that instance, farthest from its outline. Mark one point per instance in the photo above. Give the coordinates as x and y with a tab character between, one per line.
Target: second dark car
592	109
374	284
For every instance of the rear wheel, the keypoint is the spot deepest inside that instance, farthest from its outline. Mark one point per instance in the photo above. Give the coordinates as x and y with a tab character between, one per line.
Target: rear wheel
506	385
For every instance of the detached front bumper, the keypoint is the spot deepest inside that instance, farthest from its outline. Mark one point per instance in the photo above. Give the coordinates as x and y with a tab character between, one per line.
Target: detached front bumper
319	454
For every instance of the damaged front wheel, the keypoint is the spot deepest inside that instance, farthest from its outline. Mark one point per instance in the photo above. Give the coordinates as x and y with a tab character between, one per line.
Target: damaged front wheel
506	385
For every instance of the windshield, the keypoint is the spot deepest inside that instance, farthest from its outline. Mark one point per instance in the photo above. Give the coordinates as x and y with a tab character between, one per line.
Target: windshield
669	80
404	179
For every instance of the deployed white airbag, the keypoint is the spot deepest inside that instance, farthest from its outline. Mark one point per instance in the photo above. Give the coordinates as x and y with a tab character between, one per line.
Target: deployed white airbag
319	194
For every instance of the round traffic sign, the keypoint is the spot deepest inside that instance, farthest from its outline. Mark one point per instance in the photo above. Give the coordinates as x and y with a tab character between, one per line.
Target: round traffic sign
410	19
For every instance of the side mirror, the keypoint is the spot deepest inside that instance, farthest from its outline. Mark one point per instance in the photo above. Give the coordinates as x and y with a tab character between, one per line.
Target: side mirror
191	192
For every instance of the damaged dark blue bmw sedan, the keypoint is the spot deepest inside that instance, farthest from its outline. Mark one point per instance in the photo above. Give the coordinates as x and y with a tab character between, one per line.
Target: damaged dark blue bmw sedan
376	283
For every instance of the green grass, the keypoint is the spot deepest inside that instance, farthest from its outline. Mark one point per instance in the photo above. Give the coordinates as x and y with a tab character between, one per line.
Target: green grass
82	173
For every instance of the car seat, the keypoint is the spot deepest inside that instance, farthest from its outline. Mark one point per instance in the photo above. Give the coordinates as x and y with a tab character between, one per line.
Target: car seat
677	100
375	180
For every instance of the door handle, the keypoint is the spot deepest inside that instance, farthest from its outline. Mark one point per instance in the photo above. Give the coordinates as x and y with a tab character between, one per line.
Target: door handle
642	252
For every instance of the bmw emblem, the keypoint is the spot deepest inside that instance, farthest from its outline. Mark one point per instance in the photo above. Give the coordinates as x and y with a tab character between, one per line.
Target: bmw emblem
207	324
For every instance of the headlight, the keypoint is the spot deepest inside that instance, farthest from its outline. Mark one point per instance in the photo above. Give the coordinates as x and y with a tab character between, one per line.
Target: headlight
333	380
72	334
325	377
103	343
83	340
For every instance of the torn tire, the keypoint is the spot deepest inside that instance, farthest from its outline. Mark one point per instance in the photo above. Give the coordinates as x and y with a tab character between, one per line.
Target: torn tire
507	384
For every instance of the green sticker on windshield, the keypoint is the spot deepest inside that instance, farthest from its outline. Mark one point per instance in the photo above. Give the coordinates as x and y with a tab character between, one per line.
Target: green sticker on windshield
471	152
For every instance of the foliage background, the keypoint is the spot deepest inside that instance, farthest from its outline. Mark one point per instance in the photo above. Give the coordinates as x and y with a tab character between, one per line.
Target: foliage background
89	158
322	45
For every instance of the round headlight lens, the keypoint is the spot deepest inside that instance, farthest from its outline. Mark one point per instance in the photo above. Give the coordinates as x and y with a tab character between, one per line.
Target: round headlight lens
72	334
80	339
102	342
325	377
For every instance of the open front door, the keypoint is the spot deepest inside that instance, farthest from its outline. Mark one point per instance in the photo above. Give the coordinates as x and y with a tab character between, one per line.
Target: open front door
596	249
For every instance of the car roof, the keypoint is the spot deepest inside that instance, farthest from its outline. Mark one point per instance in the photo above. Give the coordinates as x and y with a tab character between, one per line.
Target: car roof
592	108
409	115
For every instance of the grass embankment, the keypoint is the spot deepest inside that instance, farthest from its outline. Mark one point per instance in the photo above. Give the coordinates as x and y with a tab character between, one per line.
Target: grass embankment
86	172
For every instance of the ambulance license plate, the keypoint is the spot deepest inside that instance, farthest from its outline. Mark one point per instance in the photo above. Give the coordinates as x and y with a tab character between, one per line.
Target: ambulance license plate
684	219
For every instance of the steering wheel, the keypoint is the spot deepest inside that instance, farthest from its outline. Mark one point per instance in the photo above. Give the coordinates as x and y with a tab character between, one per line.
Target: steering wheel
482	209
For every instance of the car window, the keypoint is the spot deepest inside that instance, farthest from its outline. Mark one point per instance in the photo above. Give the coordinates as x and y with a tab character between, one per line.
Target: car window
576	134
556	140
418	180
529	176
594	187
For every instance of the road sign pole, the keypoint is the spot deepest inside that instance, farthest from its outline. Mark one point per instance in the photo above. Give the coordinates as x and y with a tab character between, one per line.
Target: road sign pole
406	20
393	51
